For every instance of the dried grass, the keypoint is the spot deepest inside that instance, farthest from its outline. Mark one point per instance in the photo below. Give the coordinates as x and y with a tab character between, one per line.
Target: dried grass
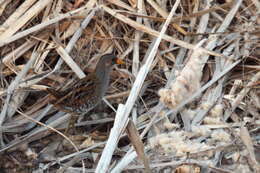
190	85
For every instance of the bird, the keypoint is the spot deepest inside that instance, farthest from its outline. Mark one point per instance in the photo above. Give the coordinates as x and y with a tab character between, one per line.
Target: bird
86	93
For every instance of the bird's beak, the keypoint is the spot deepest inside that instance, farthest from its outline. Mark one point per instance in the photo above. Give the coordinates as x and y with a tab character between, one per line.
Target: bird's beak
119	61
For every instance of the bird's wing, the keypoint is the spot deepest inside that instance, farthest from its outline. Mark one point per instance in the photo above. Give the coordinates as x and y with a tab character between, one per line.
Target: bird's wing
79	93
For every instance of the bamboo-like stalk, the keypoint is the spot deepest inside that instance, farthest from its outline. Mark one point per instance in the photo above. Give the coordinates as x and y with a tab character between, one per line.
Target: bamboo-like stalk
124	110
122	4
40	26
69	61
28	15
224	86
73	41
11	89
153	32
17	14
135	66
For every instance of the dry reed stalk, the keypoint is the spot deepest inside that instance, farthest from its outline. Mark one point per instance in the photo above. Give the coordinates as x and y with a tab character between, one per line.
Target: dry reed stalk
180	91
131	42
42	25
214	93
69	61
16	15
28	15
3	4
137	143
18	52
153	32
164	14
39	64
183	18
56	131
244	91
247	140
75	38
124	110
75	25
122	5
136	52
11	89
257	5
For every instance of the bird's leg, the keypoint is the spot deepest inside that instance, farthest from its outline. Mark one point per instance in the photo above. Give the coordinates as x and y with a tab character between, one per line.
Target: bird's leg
72	122
100	110
71	125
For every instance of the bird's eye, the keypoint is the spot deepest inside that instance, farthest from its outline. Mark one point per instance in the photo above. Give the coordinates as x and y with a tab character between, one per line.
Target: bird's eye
113	61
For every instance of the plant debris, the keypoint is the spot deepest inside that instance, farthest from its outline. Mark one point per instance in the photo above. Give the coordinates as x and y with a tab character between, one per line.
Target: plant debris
190	86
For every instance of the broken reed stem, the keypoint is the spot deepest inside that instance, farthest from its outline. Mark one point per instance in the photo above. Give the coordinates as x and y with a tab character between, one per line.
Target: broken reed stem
40	26
152	32
33	11
124	110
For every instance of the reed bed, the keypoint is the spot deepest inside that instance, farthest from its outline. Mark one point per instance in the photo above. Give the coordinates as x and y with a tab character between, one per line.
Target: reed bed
187	99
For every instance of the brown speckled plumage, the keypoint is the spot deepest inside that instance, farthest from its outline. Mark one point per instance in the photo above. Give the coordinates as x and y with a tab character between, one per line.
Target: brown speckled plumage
88	92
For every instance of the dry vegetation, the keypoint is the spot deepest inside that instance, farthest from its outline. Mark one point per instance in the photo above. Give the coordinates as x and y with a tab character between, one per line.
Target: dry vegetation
187	99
